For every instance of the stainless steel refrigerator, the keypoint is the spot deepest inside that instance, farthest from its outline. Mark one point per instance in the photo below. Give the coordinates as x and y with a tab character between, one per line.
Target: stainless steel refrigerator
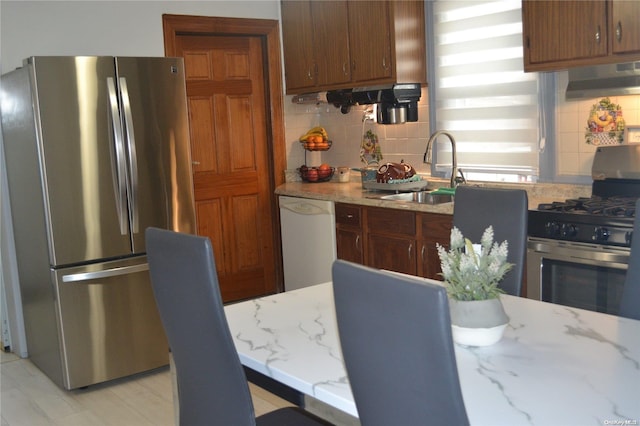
97	150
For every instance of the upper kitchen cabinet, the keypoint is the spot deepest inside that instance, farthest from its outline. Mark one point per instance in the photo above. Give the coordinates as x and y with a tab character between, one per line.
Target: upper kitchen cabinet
316	44
625	24
370	46
564	34
343	44
299	58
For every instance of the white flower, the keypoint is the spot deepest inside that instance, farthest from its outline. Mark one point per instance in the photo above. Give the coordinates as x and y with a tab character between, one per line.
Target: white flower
457	240
473	273
487	237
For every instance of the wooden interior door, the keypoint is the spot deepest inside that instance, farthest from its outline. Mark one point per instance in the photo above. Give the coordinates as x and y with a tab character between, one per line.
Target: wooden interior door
232	163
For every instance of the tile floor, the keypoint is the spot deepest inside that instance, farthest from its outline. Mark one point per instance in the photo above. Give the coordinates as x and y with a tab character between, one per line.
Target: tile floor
29	398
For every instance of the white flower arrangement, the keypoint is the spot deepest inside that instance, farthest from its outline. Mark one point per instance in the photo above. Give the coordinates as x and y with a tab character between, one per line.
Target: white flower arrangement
473	273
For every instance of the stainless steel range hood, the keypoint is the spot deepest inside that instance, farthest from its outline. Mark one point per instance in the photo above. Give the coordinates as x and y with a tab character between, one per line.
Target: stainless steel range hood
604	80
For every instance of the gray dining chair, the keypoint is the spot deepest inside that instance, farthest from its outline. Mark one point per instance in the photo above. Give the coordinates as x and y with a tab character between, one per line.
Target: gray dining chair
475	208
395	334
630	302
212	386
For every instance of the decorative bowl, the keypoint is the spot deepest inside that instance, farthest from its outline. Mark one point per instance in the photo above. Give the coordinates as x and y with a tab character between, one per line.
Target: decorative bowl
315	174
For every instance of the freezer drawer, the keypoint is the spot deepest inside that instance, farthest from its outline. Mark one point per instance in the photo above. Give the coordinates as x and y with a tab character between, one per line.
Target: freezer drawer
109	324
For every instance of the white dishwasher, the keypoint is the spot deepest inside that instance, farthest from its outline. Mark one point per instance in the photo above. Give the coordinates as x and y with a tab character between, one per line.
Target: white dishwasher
308	230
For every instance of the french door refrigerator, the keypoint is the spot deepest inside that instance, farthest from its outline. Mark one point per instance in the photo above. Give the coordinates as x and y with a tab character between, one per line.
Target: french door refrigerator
97	150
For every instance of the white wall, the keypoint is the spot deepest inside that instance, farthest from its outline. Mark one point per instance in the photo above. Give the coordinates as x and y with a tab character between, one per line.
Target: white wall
125	27
114	28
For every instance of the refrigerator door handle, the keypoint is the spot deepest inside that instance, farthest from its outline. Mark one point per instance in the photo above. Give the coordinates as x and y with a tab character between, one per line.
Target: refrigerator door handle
87	276
133	159
120	167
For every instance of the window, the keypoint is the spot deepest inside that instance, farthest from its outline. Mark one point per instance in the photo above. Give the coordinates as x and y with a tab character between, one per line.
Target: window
482	95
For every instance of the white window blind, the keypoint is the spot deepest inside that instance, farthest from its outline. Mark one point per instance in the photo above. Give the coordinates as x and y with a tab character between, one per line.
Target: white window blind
482	95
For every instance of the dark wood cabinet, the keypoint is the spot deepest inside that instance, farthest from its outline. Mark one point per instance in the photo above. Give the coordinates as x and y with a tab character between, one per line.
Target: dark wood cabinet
299	60
625	27
434	228
343	44
565	34
391	240
316	44
331	42
397	240
349	233
370	46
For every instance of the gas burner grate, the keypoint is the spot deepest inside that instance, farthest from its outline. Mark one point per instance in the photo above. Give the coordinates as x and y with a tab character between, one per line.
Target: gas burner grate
616	206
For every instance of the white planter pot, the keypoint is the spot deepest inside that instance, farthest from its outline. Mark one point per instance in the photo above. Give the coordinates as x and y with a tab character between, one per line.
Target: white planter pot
477	322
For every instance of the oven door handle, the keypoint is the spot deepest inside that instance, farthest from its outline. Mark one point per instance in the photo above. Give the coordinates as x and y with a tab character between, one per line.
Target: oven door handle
611	257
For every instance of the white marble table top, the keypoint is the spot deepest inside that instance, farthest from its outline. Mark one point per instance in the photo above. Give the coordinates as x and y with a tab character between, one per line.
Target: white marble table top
554	366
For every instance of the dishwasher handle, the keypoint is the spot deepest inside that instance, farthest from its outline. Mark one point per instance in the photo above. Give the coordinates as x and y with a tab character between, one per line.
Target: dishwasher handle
301	207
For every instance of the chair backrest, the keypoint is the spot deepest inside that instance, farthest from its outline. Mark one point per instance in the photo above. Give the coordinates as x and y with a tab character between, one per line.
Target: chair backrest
476	208
212	386
630	302
395	334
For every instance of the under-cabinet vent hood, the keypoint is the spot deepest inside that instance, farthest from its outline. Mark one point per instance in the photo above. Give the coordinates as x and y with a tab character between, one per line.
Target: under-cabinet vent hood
604	80
310	98
397	103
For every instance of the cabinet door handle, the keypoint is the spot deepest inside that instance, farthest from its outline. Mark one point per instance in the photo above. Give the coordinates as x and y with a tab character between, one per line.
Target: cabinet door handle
309	74
422	252
598	35
410	250
384	63
619	31
345	68
358	242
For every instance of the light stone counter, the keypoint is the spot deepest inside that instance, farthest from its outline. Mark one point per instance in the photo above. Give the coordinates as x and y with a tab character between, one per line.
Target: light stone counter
352	192
555	365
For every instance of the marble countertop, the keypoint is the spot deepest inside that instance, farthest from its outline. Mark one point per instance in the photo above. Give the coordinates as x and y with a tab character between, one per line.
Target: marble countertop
352	192
555	365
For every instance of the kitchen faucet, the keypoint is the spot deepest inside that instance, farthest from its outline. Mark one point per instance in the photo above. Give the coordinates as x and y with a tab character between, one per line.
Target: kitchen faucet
455	179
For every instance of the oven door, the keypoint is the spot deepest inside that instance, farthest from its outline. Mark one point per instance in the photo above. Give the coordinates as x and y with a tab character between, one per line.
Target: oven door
586	276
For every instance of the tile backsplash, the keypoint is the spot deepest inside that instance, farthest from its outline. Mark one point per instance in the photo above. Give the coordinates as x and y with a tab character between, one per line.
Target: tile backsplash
573	155
408	141
398	142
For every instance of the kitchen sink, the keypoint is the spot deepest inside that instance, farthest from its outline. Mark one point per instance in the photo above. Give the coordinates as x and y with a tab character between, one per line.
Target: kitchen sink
421	197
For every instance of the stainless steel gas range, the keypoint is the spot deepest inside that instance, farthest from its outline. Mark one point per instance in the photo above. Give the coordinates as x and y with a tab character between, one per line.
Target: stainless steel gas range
578	249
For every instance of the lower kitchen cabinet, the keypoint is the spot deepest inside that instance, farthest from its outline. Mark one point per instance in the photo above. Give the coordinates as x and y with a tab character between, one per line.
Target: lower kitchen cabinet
435	228
391	240
349	234
350	245
397	240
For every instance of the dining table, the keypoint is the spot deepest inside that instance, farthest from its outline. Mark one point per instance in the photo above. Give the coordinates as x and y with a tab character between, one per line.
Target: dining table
555	365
